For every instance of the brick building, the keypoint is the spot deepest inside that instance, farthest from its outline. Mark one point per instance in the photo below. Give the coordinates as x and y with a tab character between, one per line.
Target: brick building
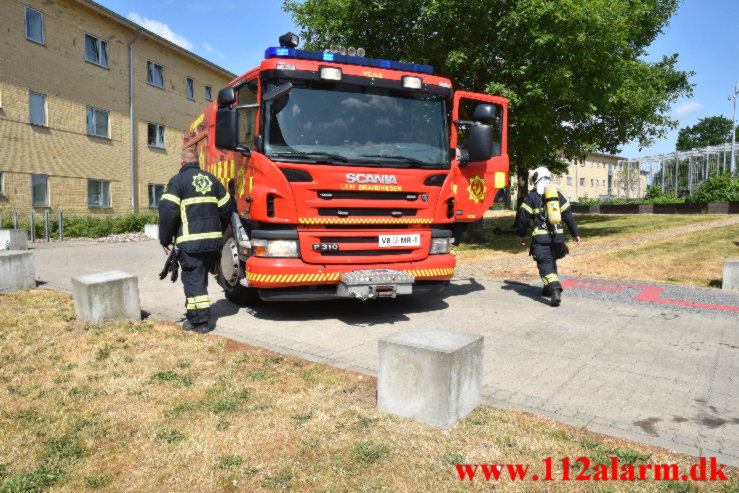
66	139
600	176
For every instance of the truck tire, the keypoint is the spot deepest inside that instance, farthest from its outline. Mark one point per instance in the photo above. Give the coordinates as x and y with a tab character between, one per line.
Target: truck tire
229	273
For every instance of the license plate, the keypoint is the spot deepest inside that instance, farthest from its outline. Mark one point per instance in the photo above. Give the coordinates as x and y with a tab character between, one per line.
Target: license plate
399	241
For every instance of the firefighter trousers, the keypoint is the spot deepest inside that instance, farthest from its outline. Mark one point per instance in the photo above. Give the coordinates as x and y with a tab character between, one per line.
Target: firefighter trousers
195	268
546	256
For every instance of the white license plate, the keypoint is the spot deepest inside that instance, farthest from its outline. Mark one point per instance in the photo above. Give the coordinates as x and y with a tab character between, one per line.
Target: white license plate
399	241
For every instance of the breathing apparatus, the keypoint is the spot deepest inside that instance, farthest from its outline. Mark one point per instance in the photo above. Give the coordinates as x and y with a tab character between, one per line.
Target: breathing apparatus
542	179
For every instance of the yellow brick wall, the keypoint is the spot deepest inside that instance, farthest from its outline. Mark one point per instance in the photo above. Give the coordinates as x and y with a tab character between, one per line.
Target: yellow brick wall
58	69
595	167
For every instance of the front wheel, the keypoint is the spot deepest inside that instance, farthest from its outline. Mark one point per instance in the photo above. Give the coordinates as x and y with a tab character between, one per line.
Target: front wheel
229	273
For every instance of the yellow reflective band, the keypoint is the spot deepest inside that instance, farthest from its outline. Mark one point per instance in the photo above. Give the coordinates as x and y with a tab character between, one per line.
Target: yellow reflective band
196	299
538	210
539	231
199	236
565	206
199	200
224	200
526	207
364	220
171	198
203	305
190	306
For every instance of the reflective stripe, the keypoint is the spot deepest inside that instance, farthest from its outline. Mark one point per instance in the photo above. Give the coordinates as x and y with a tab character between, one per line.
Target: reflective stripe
550	278
198	302
539	231
205	297
199	200
199	236
224	200
171	198
538	210
526	207
565	206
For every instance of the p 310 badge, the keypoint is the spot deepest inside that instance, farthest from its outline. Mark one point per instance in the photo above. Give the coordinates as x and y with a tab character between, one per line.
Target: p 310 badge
325	247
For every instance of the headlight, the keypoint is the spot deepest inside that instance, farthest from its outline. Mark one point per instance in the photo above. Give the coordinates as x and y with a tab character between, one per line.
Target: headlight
275	248
440	246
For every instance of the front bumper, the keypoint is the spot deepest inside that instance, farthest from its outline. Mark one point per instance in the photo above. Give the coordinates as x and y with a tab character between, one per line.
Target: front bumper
284	273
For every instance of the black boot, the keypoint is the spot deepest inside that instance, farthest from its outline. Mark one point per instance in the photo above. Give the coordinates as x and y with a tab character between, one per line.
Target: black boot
556	297
200	328
546	291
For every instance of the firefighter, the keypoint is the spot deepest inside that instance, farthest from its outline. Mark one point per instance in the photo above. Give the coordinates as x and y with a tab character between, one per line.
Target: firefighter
195	209
546	207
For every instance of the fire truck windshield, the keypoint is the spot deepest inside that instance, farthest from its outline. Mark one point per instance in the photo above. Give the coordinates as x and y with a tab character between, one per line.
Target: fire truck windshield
358	125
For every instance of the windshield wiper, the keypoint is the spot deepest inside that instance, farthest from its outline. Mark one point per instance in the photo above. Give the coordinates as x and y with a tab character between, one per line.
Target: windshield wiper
335	157
410	160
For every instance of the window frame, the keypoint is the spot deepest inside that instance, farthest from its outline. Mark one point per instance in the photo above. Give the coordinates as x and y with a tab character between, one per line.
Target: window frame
190	86
208	93
33	203
99	41
46	118
582	182
147	73
102	183
156	126
569	180
153	186
2	183
25	23
94	125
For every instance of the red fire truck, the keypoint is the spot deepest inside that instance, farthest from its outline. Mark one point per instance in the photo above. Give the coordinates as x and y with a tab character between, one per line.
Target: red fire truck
351	175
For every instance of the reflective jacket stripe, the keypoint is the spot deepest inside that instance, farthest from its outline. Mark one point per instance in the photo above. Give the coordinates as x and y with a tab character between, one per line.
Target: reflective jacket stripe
199	200
198	236
526	207
173	198
225	199
565	206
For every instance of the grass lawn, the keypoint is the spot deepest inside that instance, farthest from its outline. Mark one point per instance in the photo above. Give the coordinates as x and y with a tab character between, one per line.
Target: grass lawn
147	407
494	241
695	259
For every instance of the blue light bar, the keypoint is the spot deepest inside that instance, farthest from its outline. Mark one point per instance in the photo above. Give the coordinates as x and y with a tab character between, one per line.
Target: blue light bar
275	52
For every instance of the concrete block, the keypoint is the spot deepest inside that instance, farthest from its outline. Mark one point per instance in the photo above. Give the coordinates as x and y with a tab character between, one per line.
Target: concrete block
112	295
13	239
432	375
731	274
151	230
17	270
646	208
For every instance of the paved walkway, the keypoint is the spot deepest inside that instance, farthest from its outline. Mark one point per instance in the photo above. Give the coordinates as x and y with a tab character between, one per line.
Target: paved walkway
651	371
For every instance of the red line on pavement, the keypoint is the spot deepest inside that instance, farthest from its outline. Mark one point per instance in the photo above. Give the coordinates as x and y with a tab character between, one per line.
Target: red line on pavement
647	293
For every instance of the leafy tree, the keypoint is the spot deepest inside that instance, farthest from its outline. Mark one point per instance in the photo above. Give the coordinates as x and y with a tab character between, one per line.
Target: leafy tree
710	131
718	187
573	70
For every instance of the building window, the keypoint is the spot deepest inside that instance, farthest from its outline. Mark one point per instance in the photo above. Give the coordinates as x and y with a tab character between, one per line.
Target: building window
155	194
96	50
189	88
156	135
2	189
208	93
98	193
97	122
592	182
34	25
582	182
569	180
37	108
40	190
582	163
155	74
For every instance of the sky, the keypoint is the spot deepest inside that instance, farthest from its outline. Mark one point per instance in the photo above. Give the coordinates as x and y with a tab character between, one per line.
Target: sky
235	33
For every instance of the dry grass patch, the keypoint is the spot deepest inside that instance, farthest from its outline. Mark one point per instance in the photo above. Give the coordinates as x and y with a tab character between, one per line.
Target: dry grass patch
148	407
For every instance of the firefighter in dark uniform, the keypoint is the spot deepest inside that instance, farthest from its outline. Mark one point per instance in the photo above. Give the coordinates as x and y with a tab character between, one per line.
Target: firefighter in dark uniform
547	240
194	210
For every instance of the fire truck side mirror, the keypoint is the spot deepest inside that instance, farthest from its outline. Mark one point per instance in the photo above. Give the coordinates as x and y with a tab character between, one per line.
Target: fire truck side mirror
226	97
227	126
481	142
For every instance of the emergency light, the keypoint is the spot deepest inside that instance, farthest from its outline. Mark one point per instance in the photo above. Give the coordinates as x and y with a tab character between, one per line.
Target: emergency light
284	52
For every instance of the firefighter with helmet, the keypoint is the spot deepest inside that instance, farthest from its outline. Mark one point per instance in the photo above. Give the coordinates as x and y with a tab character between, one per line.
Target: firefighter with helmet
546	208
194	210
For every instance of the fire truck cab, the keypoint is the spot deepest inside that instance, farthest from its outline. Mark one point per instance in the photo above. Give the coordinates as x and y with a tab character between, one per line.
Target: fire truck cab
350	175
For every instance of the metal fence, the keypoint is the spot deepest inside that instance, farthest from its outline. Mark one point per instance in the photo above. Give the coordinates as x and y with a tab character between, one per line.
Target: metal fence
15	220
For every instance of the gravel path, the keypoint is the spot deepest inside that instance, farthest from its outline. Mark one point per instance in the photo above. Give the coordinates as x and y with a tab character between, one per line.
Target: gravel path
481	268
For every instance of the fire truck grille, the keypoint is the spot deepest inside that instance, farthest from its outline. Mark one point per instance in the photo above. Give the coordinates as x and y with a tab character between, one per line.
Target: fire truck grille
367	253
365	211
352	195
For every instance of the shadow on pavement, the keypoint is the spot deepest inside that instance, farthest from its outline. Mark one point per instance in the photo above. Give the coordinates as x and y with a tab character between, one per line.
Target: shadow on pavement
526	290
358	313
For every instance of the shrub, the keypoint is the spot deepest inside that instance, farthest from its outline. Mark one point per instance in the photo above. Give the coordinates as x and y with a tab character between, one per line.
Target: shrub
75	226
719	187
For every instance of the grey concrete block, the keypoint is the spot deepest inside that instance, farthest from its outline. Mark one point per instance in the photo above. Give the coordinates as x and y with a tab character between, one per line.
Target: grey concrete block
432	375
731	274
17	270
13	239
112	295
151	230
646	208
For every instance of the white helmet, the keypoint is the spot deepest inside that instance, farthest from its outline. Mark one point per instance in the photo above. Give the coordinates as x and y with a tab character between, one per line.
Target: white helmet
540	178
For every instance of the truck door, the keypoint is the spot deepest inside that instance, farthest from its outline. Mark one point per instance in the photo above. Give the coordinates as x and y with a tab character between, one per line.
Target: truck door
476	183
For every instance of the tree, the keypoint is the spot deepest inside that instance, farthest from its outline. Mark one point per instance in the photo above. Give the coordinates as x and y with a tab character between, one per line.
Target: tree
573	70
710	131
718	187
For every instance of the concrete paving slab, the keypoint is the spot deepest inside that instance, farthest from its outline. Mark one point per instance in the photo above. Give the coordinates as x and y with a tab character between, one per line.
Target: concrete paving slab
656	372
